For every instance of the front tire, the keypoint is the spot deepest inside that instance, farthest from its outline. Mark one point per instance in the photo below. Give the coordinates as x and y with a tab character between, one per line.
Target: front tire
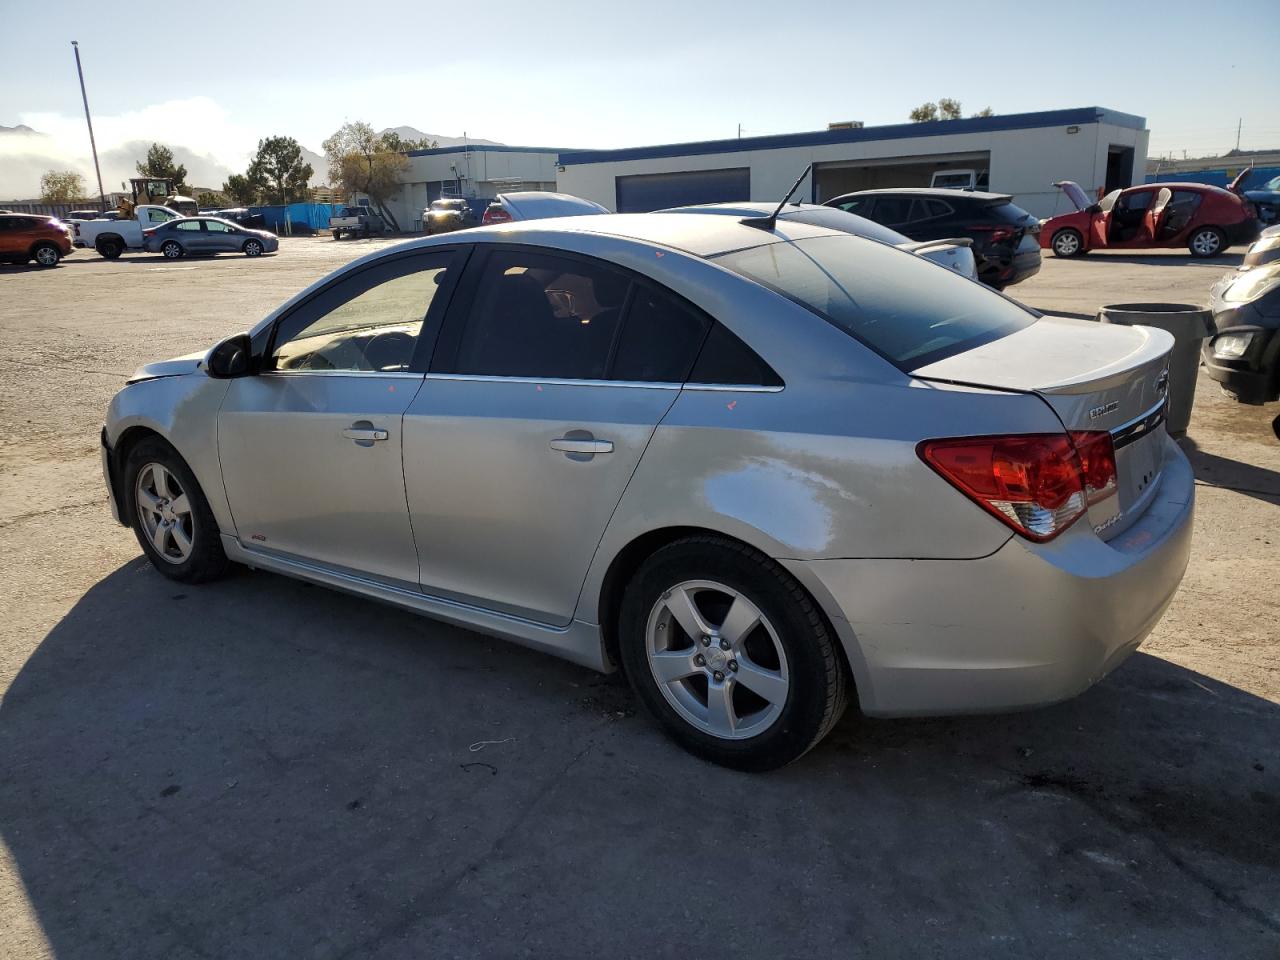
1067	243
253	248
730	654
171	249
46	255
170	515
1207	242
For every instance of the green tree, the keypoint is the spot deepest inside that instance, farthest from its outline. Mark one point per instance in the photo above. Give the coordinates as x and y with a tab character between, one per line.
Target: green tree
160	163
361	162
924	112
209	199
985	112
279	168
242	190
397	144
61	186
949	109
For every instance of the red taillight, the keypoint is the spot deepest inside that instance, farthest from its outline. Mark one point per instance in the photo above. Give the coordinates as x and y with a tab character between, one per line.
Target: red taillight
147	233
997	233
1250	213
1038	484
1097	462
495	215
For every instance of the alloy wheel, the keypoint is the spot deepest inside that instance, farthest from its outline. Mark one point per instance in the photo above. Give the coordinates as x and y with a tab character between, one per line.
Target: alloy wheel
47	257
164	512
252	248
717	659
171	250
1206	243
1066	244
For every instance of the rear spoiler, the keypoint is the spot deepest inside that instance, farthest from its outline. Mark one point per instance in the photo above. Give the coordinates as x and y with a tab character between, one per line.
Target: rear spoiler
930	244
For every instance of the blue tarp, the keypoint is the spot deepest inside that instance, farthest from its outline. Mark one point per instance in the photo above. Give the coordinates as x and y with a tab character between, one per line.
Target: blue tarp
308	216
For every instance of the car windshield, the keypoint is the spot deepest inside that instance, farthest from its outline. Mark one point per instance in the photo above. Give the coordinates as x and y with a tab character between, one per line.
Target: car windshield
908	310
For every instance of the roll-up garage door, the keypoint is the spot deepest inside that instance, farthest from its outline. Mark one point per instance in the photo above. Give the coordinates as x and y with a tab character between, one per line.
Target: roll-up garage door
657	191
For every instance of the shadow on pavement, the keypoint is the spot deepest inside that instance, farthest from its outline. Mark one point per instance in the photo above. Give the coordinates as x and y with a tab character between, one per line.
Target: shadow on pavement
1261	483
1173	258
259	768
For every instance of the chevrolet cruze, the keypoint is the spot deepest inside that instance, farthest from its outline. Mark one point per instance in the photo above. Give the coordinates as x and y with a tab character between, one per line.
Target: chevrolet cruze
764	468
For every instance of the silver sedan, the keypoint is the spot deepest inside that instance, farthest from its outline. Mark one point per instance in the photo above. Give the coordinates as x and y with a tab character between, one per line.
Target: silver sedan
766	469
207	235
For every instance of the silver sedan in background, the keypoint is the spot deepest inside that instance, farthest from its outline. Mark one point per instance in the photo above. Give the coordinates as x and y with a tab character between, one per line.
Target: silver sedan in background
766	468
207	235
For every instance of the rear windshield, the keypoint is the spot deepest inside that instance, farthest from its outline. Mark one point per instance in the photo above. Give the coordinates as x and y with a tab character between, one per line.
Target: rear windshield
910	311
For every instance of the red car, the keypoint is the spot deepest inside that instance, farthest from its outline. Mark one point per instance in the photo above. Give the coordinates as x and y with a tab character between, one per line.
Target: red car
1204	219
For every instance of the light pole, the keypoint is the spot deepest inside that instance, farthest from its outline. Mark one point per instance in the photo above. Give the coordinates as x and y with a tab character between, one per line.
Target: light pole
102	194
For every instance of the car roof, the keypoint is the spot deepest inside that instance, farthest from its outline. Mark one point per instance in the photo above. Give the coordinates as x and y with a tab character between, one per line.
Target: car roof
703	235
814	214
926	192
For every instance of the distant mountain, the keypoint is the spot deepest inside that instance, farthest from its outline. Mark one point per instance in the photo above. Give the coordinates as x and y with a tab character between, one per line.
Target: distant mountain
319	166
20	128
413	133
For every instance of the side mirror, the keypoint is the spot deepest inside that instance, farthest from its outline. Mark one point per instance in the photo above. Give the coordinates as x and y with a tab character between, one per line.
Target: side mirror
231	358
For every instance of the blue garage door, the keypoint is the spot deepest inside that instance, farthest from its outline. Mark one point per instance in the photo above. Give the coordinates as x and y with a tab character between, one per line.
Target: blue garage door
657	191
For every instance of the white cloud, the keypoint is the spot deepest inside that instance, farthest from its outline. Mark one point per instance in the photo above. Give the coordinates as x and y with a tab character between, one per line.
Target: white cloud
198	130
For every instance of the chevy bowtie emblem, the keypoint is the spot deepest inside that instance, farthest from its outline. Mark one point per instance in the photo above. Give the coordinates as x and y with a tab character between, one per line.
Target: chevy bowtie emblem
1162	381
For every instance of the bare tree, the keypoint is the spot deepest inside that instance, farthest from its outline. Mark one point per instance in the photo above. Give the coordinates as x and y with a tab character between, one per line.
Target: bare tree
360	161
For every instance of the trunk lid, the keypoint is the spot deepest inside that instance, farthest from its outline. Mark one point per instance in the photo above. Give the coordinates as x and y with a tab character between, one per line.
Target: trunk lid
1095	377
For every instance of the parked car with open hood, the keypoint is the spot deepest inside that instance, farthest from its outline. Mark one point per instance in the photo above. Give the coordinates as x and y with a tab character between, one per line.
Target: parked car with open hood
1203	218
767	468
1005	237
1266	200
538	205
954	254
208	236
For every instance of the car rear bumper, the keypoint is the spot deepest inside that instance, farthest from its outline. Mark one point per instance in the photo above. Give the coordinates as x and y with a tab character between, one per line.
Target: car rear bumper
1028	625
1005	270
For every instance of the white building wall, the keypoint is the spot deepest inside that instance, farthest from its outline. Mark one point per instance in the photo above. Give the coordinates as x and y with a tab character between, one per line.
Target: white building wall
1024	163
483	174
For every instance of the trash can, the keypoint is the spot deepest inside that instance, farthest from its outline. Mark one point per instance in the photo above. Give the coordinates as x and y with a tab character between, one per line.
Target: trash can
1189	325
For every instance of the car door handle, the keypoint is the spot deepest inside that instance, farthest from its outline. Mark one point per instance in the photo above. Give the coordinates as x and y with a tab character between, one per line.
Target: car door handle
576	445
364	433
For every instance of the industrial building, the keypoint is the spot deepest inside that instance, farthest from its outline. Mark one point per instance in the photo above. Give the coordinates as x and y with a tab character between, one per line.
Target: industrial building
476	172
1020	154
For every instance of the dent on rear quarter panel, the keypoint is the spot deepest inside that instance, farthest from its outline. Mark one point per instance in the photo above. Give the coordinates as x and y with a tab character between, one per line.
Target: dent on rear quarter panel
821	470
183	410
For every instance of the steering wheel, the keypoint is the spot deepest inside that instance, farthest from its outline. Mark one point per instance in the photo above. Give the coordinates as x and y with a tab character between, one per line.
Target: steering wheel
389	351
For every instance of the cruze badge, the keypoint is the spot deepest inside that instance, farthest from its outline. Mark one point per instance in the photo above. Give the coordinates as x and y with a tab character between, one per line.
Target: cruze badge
1103	410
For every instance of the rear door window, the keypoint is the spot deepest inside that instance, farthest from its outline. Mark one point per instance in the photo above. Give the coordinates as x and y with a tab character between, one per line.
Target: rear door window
896	303
893	211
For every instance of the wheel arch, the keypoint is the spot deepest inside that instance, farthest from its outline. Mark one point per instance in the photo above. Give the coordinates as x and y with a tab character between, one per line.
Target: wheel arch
627	560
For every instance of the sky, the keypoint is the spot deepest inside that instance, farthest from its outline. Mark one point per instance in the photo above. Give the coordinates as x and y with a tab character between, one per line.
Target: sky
569	73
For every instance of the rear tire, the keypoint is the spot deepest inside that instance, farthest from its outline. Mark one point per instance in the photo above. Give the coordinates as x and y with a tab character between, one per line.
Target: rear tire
170	515
110	249
1207	242
798	686
1067	243
46	255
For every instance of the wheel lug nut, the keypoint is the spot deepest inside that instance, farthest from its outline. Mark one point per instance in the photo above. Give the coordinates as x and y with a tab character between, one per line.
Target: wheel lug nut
724	644
718	675
733	665
706	641
700	660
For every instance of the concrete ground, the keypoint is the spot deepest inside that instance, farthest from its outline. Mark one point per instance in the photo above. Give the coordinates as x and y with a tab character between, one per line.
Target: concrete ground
260	768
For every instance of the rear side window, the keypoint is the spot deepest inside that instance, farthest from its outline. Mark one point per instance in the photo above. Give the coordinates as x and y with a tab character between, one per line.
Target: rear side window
891	210
727	360
897	304
536	315
660	340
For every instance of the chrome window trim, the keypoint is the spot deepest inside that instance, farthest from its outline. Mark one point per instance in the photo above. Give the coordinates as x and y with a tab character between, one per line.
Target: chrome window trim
398	374
1138	427
733	388
555	381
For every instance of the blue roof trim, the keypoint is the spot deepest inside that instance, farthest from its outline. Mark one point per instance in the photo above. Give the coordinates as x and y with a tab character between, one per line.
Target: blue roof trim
897	131
483	148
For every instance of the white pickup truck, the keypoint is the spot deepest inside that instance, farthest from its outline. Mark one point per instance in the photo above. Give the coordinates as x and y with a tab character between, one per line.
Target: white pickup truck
113	237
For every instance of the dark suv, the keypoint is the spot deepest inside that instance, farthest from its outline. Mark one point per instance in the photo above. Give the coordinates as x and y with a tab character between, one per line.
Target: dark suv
1006	239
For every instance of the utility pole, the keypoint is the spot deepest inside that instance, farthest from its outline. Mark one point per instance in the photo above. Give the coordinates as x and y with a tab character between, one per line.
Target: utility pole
1239	124
739	131
102	194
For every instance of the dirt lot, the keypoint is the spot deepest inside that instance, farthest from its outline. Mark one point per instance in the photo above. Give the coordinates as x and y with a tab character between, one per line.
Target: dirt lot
260	768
